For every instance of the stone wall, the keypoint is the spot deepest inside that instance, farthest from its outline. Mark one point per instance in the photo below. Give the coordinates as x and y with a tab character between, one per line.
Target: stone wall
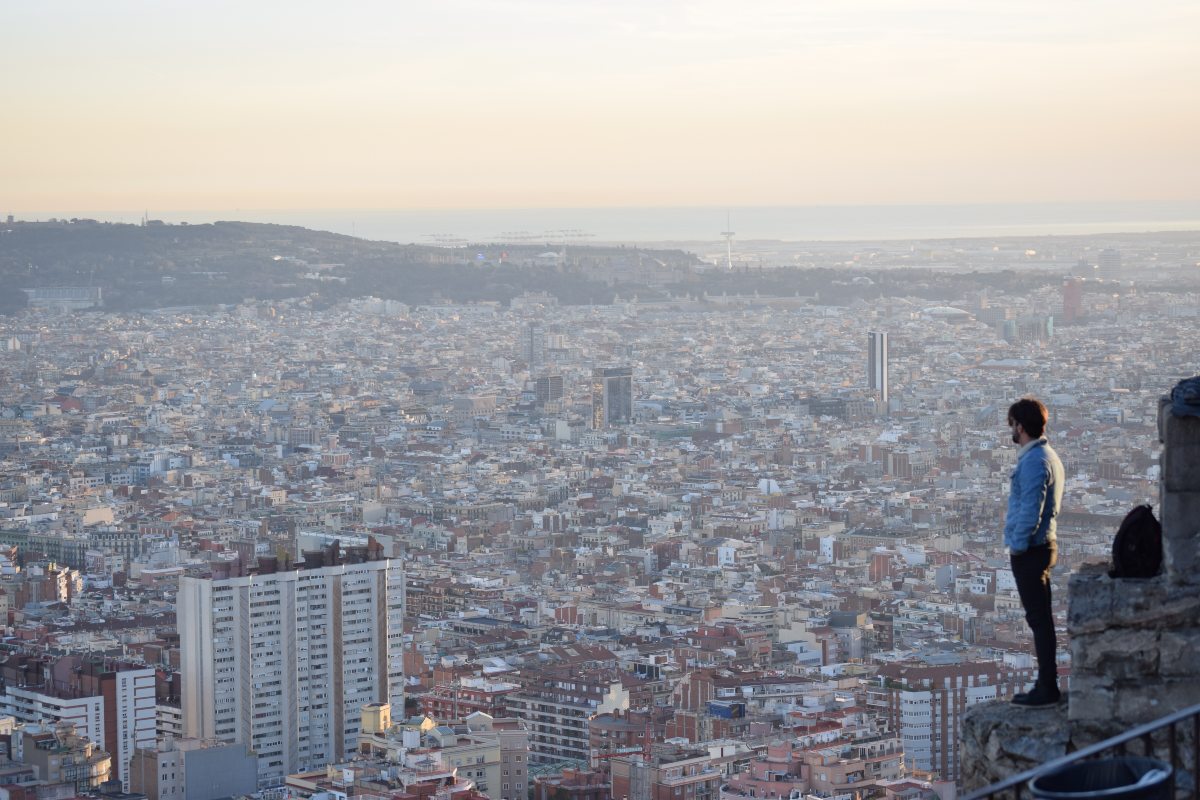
1135	643
1000	740
1179	496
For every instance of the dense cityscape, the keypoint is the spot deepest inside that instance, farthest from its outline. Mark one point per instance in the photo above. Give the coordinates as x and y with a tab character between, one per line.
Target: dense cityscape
676	545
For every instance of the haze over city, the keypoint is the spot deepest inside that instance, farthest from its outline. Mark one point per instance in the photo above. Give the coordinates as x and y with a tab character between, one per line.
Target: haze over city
375	105
529	400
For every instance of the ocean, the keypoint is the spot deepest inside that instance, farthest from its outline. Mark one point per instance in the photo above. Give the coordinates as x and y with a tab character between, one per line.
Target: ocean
705	224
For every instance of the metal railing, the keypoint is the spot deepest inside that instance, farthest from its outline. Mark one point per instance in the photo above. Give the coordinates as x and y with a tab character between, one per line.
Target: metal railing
1181	731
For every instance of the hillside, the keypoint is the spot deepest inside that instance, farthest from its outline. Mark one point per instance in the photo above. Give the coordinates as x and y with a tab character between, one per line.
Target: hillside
157	265
226	262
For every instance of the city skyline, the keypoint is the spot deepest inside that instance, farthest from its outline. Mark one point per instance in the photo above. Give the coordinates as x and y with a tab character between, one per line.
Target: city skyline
470	400
327	525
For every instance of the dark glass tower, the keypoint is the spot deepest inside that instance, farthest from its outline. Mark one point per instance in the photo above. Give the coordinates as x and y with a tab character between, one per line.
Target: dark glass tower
612	396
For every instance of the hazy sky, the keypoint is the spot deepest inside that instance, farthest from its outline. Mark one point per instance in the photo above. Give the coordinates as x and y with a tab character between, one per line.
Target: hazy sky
507	103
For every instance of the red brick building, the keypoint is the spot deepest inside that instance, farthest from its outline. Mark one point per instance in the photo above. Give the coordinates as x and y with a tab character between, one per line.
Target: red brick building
572	784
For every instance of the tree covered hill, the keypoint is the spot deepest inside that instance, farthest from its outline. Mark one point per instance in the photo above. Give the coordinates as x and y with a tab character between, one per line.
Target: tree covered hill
158	265
161	265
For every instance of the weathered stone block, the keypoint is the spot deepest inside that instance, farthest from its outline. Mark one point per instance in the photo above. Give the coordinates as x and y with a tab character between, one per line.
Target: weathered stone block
1181	467
1177	431
1089	603
1136	704
1045	743
1079	645
999	740
1179	515
1092	698
1141	702
1137	601
1179	652
1181	560
1181	451
1182	610
1119	653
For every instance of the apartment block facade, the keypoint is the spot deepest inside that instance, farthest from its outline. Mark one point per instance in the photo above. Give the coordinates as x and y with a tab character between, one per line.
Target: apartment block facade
925	705
111	704
557	704
283	662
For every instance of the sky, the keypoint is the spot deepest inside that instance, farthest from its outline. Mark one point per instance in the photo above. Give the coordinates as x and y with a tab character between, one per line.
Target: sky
445	104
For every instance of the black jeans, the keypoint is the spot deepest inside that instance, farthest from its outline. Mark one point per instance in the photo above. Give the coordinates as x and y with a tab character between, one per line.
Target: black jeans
1031	570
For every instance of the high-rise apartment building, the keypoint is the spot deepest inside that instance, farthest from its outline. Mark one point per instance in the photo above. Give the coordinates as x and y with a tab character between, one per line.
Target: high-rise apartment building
877	365
925	705
284	661
548	389
1109	265
557	704
1072	299
612	396
533	345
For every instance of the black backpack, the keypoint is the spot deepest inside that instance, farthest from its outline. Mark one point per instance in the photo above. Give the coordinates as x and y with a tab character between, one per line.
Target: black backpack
1137	548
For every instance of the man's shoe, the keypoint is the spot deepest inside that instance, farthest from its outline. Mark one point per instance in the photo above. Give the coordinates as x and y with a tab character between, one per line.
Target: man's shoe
1040	697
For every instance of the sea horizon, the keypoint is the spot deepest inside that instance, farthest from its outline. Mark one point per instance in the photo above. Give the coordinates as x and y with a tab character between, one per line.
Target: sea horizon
698	224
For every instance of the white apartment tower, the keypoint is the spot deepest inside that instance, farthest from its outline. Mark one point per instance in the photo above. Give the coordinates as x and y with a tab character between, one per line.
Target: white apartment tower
877	365
283	661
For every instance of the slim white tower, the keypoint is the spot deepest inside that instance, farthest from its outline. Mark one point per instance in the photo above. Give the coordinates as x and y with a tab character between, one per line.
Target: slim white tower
877	364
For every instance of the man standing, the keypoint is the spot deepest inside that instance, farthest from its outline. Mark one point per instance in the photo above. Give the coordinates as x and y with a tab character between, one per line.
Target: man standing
1034	497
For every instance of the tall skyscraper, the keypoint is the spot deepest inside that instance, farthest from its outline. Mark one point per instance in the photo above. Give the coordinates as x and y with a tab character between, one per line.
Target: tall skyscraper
612	396
533	345
877	364
283	661
1109	265
548	389
1072	299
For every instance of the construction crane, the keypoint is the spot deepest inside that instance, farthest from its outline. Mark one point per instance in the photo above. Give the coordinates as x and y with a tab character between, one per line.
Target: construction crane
448	240
517	237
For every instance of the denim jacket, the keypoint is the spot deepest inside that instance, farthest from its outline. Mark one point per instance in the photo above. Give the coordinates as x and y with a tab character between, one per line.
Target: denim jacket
1035	494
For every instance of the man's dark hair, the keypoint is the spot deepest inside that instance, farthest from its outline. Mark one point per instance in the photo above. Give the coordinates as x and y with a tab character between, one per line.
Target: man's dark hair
1031	414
